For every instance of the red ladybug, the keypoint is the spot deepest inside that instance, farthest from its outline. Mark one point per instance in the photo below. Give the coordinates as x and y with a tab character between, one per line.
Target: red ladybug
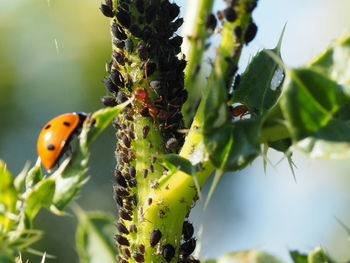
56	135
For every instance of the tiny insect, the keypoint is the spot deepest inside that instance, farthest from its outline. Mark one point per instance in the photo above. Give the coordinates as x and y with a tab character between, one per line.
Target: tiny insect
55	137
155	236
188	247
122	240
240	111
168	252
121	228
187	230
139	257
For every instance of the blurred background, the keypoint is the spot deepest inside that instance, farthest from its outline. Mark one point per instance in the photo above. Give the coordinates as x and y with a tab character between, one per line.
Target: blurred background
52	61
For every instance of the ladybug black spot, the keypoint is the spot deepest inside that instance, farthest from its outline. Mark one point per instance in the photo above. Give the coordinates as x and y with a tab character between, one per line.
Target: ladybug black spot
66	123
51	147
47	127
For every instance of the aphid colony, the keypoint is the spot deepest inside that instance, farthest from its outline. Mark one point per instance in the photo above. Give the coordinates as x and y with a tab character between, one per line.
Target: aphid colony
242	37
149	34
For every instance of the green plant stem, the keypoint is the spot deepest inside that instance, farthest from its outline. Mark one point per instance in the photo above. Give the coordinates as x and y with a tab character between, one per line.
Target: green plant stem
196	47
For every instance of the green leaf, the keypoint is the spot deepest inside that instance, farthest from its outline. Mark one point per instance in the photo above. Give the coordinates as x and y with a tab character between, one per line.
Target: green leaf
234	146
334	62
21	177
310	101
260	84
99	120
34	176
175	162
249	256
6	257
310	105
8	198
318	256
94	237
40	195
298	257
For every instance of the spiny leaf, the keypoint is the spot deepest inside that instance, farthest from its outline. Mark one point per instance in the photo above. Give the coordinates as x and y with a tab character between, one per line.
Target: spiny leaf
40	195
318	256
298	257
310	104
334	62
259	89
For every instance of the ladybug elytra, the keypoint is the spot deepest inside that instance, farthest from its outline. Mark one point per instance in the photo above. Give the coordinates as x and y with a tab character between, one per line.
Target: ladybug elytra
56	135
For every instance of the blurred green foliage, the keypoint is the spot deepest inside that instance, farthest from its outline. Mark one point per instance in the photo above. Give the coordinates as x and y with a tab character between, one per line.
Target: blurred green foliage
53	55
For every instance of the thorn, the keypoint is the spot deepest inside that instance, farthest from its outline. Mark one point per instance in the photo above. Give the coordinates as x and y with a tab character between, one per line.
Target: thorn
217	177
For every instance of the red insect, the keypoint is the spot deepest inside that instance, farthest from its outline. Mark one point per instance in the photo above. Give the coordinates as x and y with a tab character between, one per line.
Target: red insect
155	111
56	135
240	111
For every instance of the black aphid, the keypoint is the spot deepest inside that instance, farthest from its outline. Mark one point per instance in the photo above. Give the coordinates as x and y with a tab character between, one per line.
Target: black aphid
176	41
144	173
120	179
187	230
118	31
122	240
106	10
124	215
174	11
211	22
188	247
250	33
109	85
141	248
139	257
168	252
155	236
136	31
230	14
121	228
109	101
117	78
126	141
145	131
151	68
123	18
122	192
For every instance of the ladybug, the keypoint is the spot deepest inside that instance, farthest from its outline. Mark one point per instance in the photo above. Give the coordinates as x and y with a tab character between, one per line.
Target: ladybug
56	135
